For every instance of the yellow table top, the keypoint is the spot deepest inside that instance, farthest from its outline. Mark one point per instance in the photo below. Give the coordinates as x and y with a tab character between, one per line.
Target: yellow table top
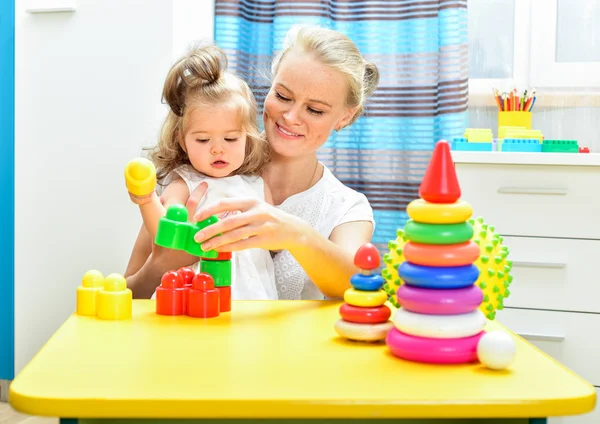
272	359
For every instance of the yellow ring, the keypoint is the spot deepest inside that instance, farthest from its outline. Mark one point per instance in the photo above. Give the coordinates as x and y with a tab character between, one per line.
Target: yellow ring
439	213
365	298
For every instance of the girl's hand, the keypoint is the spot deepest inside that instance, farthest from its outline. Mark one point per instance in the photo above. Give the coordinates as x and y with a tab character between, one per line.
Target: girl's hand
257	225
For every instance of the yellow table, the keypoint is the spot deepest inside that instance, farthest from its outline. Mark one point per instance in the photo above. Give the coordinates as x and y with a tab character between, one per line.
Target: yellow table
274	359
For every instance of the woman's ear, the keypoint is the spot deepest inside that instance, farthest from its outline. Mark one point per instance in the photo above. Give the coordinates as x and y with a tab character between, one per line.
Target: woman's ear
347	118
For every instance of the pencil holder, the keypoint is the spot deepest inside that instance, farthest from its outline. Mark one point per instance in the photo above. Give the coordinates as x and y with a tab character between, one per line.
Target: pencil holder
513	119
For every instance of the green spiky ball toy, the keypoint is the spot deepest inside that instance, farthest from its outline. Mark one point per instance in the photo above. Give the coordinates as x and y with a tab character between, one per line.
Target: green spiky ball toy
494	267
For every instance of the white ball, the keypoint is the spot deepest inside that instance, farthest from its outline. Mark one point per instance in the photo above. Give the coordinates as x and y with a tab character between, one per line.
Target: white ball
496	350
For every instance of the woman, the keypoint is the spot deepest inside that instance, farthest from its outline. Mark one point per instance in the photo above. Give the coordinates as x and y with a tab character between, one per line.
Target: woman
320	84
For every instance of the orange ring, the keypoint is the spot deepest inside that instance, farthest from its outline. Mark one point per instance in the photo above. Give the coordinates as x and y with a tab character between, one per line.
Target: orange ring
441	255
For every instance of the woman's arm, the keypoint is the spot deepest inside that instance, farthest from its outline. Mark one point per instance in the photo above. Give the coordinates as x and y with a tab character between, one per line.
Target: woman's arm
327	262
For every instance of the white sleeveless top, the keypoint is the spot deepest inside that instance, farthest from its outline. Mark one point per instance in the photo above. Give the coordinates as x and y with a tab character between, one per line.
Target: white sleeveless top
252	272
324	206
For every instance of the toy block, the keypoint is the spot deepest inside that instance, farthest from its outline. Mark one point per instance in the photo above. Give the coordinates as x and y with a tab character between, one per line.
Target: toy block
175	232
219	270
91	283
224	298
440	183
479	135
466	146
560	146
521	145
516	133
114	301
203	297
170	295
140	177
584	150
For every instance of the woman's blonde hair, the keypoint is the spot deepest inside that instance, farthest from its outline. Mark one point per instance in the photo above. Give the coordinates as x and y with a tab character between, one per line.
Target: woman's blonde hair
337	51
200	79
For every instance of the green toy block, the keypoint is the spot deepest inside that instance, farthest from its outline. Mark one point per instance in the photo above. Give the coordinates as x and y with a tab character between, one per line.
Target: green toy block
560	146
219	270
175	232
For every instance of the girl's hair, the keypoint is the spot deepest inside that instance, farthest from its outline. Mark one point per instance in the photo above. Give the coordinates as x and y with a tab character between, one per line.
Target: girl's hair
200	79
337	51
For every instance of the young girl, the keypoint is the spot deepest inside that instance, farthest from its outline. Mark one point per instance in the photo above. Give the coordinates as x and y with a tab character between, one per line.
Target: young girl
210	135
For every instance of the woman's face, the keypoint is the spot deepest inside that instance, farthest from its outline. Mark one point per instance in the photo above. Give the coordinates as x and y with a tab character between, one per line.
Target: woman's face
305	104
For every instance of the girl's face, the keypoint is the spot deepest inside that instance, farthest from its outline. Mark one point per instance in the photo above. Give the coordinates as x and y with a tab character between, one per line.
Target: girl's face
305	104
215	140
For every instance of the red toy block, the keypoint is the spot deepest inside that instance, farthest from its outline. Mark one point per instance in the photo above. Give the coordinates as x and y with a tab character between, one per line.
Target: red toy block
440	183
367	257
170	295
203	298
188	275
584	150
224	298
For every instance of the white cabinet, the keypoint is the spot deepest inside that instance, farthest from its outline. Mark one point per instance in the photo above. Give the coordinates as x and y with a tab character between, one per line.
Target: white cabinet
547	208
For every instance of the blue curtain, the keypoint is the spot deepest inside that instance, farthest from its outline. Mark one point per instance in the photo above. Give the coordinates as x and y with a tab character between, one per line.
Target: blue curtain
421	50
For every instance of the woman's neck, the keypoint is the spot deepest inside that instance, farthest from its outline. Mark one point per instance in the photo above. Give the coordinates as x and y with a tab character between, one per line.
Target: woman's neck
288	176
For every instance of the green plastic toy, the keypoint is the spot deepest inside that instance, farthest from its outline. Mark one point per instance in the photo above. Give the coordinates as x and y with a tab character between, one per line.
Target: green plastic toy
220	271
175	232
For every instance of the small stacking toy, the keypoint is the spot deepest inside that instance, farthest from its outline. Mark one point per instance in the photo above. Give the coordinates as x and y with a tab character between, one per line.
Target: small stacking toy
87	293
364	315
114	300
439	320
183	292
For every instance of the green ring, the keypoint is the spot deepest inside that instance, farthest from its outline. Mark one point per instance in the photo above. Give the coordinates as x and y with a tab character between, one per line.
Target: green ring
438	233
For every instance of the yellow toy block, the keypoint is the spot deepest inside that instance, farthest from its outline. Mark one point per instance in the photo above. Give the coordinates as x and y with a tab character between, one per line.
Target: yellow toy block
479	135
91	283
114	301
140	177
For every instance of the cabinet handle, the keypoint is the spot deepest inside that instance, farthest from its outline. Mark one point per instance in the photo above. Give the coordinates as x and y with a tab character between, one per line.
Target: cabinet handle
534	190
542	337
526	264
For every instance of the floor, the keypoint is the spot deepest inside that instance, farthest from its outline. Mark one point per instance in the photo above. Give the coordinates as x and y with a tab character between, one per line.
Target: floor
10	416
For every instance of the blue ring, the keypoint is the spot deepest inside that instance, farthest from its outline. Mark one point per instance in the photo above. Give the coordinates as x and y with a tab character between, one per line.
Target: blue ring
444	277
363	282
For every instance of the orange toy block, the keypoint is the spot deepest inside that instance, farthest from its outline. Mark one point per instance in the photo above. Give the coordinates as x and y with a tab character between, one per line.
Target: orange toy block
91	283
114	301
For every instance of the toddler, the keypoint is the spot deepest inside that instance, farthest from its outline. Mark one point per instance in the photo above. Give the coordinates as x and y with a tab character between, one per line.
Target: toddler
210	134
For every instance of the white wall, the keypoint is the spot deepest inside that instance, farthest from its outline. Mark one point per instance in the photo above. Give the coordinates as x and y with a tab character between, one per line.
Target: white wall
87	99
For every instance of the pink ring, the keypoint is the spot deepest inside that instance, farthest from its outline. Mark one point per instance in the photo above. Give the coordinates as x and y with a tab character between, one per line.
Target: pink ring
439	301
436	351
441	255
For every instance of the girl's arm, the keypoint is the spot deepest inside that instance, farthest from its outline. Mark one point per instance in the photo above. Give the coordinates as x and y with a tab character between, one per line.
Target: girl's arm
329	263
152	208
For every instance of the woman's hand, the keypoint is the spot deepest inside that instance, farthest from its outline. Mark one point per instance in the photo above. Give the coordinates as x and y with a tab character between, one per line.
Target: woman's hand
256	225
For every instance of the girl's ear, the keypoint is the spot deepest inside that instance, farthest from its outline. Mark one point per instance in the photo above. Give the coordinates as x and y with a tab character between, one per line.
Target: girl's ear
180	140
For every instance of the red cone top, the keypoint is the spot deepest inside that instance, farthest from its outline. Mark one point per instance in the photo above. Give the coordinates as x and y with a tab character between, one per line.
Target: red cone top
367	257
440	183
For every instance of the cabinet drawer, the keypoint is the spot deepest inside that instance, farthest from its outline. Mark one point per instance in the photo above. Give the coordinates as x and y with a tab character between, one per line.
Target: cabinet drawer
553	273
534	200
568	337
589	418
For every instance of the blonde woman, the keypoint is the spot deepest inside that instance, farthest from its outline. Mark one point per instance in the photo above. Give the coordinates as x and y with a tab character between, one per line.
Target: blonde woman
210	136
319	84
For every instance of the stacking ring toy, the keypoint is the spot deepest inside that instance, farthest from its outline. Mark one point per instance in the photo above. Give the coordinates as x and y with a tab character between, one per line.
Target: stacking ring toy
439	326
439	213
439	302
367	282
441	255
437	351
438	233
365	298
450	277
363	332
372	315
